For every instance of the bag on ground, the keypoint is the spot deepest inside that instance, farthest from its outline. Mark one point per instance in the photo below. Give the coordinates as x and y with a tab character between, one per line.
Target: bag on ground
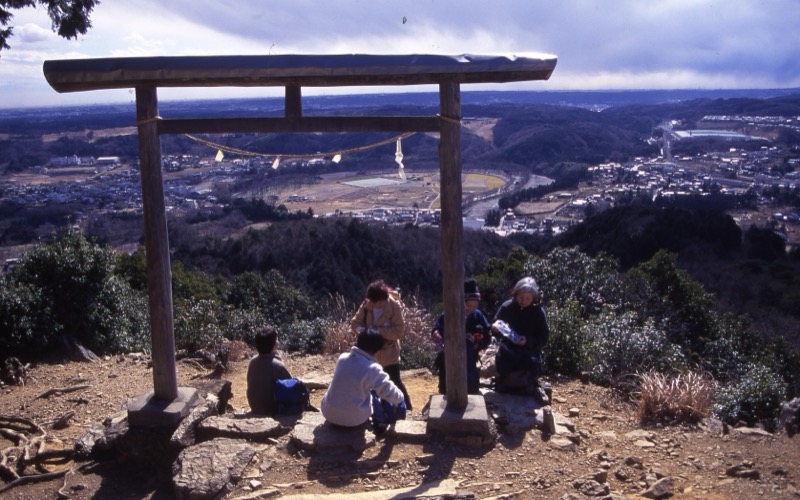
291	395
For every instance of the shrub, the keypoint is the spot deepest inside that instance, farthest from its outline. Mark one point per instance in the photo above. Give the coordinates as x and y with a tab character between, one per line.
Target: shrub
565	350
67	287
684	398
617	346
242	324
197	324
755	399
566	274
305	336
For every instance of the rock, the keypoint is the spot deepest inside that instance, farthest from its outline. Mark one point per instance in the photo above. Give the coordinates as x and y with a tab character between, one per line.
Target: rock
789	417
634	462
312	432
562	444
624	474
186	432
74	350
743	470
220	389
101	438
591	488
549	422
751	431
252	428
574	412
210	469
662	488
85	445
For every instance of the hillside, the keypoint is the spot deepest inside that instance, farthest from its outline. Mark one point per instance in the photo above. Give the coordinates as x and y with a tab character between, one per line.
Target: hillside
701	462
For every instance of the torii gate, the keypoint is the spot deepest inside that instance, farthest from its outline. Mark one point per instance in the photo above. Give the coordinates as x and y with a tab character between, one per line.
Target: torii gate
147	74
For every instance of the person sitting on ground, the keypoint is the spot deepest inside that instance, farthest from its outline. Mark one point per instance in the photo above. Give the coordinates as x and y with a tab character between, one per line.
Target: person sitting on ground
262	372
357	379
520	359
477	338
382	313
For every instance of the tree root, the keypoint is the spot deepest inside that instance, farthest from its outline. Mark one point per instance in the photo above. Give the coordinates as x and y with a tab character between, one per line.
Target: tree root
33	479
62	390
29	438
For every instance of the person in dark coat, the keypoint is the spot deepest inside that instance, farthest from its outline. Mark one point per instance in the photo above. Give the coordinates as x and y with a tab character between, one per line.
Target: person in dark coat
262	372
478	336
521	354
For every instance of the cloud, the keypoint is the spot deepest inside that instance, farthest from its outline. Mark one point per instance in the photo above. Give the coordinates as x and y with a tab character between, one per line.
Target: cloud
600	44
31	33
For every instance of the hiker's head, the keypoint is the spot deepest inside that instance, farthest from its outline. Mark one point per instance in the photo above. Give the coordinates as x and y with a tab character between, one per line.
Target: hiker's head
472	295
526	292
377	291
266	340
369	341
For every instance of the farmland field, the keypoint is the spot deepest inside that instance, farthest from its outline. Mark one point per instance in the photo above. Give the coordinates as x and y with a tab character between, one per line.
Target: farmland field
356	192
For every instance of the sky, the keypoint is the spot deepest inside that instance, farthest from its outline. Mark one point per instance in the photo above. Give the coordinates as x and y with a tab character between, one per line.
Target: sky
600	44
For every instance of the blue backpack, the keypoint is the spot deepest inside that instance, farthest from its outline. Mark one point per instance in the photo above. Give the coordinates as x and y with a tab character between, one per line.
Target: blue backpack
291	396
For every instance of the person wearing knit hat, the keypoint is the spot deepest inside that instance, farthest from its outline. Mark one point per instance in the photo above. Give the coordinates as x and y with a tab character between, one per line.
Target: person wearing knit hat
477	338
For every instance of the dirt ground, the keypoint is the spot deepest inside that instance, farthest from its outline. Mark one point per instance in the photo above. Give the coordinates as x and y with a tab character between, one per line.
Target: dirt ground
529	465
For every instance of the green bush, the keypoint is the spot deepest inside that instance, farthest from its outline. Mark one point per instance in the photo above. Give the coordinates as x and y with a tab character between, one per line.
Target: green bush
67	288
617	346
242	324
304	336
565	350
754	399
197	324
567	275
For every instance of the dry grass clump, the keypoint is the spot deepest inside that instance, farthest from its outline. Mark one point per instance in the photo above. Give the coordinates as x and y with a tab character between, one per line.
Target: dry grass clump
684	398
339	337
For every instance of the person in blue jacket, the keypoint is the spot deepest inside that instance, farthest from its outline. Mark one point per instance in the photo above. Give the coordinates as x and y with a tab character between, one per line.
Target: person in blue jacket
477	338
521	354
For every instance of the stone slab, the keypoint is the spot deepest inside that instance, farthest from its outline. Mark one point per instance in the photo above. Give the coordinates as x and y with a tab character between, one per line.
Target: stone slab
472	420
312	432
409	431
148	411
211	469
250	428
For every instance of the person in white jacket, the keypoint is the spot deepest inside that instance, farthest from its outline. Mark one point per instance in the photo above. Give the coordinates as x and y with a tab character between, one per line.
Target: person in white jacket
348	400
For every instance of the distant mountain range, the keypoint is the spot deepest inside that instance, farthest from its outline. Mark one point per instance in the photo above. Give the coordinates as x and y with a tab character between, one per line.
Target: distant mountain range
593	99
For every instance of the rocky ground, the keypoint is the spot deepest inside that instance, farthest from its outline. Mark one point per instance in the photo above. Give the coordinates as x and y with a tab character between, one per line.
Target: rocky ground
609	455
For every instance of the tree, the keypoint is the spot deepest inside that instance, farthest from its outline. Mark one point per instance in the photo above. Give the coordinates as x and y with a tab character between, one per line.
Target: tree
70	18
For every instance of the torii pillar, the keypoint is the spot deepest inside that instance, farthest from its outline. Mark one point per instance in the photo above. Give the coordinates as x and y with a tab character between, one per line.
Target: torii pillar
166	404
455	413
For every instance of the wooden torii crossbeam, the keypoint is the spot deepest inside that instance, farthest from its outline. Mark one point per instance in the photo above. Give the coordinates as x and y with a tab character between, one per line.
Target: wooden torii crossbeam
147	74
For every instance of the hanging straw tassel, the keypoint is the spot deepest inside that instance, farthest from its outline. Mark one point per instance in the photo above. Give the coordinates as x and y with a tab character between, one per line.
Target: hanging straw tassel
398	157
